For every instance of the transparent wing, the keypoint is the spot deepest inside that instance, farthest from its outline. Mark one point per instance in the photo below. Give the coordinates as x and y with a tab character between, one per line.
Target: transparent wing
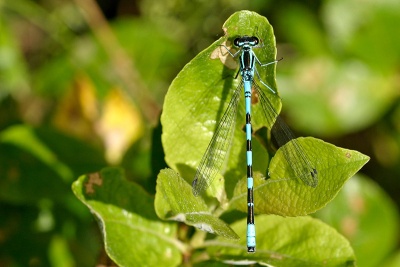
292	149
214	157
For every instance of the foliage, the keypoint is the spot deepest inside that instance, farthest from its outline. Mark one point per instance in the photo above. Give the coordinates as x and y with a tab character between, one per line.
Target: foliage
174	201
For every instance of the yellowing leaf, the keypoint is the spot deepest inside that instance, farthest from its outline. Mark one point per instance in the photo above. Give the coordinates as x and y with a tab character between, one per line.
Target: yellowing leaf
119	126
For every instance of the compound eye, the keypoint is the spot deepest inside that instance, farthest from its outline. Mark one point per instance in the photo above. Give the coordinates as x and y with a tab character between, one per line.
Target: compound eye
236	41
256	41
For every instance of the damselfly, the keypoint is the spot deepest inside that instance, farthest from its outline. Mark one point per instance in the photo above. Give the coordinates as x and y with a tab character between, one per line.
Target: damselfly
214	157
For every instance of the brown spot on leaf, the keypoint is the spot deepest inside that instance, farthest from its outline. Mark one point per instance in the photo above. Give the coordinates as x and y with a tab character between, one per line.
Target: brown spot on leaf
94	179
254	96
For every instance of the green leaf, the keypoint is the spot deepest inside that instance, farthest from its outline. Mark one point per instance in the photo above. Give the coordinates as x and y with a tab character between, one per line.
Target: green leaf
290	196
65	155
199	95
29	169
340	98
356	212
24	179
307	36
164	53
291	242
13	73
175	201
133	235
335	88
24	137
393	261
78	154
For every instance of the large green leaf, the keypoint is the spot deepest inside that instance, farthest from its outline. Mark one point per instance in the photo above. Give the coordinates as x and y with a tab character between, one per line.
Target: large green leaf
133	235
289	196
175	201
199	95
367	217
291	242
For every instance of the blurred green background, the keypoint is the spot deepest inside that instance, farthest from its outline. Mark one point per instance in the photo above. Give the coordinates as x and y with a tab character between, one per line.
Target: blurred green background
82	86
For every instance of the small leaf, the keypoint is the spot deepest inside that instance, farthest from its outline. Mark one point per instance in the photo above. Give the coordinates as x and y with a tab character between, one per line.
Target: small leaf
133	235
175	201
301	241
25	138
26	179
289	196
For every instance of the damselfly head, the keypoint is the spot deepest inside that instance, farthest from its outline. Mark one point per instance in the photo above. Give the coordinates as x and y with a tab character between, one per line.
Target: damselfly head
246	41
